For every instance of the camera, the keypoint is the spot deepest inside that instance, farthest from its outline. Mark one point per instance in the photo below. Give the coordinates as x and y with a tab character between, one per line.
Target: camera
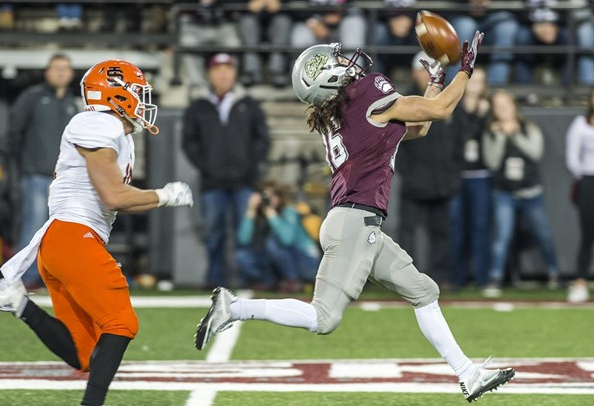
265	199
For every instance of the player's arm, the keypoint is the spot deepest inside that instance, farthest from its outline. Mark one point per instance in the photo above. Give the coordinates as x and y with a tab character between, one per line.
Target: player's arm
418	109
107	179
116	195
419	130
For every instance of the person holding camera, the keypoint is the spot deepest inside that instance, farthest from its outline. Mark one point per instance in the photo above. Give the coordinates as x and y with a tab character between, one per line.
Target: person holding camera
272	243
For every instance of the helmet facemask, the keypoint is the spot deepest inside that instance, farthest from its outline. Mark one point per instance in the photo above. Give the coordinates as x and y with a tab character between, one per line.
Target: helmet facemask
352	66
145	113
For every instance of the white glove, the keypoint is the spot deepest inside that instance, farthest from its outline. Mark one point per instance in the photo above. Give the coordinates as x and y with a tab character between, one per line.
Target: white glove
175	194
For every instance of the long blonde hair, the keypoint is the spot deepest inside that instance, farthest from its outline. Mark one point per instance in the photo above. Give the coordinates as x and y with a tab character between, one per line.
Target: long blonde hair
492	116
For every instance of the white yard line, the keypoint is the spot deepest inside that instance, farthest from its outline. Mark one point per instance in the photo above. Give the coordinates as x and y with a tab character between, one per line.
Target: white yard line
203	393
148	301
220	351
204	397
204	301
223	344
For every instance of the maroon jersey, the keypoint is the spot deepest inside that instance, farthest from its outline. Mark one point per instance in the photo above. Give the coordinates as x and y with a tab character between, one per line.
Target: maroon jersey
361	152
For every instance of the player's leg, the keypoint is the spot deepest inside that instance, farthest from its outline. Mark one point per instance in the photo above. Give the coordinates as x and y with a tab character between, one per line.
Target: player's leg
52	331
394	270
97	286
349	249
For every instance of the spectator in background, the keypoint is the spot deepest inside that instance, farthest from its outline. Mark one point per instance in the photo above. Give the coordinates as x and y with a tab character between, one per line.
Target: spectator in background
429	171
265	15
541	25
225	136
69	16
37	120
131	12
471	206
7	17
513	147
500	28
580	161
205	24
328	21
396	27
271	240
584	37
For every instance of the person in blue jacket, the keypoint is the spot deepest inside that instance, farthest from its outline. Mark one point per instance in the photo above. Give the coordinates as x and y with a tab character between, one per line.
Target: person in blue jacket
273	244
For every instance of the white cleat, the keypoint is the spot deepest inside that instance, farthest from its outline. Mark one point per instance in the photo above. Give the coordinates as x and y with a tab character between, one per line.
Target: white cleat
485	380
217	319
13	297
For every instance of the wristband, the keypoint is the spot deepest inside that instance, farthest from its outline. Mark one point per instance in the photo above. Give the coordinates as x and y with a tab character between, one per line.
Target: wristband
163	197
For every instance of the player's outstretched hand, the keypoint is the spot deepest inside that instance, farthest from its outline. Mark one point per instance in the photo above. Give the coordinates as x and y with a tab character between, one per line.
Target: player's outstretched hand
175	194
469	53
436	72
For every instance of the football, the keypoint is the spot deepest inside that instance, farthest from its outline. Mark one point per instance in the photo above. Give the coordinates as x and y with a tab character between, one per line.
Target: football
437	37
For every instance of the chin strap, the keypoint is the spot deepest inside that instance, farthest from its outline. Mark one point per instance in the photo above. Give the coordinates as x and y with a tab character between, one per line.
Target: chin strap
154	130
138	127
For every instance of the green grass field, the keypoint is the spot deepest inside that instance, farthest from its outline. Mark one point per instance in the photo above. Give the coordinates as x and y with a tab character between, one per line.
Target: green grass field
388	333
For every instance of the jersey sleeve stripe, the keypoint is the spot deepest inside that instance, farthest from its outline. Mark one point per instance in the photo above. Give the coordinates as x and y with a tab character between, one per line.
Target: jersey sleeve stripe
378	104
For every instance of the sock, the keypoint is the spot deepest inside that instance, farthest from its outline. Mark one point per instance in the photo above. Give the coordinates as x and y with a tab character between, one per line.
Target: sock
105	361
52	332
287	312
436	330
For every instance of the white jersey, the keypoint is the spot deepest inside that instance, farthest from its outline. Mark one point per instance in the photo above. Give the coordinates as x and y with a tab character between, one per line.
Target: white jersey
72	196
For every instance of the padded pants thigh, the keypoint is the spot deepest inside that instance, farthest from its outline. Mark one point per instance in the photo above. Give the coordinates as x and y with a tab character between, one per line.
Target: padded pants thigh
88	290
395	271
350	248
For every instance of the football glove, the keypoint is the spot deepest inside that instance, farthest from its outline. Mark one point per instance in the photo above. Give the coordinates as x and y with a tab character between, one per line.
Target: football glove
175	194
436	72
469	53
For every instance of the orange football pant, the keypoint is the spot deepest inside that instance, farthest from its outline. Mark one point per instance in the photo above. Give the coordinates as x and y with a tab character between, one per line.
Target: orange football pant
88	290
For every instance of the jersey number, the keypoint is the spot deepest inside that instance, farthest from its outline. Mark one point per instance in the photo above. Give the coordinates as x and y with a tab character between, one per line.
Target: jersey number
336	152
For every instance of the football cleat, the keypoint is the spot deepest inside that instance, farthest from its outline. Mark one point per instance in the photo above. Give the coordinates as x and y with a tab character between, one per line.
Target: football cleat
217	319
13	297
485	380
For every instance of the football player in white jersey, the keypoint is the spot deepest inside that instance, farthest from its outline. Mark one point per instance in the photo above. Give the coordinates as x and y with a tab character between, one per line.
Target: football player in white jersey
94	319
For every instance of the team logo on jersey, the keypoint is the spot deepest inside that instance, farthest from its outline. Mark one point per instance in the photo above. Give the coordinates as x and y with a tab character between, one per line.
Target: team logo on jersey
383	85
313	67
371	239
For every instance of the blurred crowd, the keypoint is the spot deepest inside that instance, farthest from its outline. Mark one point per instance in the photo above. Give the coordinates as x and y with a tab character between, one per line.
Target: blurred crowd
471	184
283	28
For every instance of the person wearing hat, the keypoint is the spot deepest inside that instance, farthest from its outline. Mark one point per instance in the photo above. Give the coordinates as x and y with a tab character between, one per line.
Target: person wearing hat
429	170
226	138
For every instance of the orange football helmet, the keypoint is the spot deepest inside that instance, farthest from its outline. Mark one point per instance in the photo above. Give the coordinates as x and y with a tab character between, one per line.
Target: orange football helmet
121	87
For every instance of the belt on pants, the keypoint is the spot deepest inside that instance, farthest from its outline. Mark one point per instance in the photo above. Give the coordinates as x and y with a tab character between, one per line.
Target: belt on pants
376	220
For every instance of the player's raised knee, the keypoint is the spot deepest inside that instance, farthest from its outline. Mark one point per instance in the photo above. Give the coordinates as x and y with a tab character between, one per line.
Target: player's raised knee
431	292
328	324
125	325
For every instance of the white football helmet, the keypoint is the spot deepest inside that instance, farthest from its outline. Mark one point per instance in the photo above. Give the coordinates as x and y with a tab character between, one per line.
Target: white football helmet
320	71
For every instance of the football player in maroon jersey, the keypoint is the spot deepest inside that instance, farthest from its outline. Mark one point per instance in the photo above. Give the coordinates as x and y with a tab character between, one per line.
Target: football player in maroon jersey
362	119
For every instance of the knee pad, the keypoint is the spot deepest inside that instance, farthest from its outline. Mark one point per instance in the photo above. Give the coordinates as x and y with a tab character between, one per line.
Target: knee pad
431	292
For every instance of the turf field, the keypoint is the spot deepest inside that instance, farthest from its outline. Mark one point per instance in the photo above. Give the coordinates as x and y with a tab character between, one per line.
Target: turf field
376	357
